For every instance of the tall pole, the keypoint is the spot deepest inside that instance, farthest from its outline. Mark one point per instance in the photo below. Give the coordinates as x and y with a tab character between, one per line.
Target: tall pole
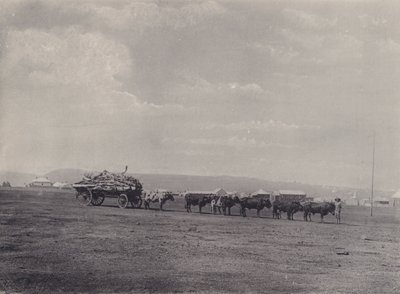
373	171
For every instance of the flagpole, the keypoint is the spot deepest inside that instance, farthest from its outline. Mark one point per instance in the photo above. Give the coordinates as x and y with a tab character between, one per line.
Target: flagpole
373	171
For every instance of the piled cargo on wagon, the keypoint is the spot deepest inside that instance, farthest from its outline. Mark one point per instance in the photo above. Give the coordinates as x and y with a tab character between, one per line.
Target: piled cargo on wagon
93	189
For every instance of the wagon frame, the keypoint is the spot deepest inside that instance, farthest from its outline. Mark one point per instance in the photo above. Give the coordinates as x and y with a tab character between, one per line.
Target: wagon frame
88	194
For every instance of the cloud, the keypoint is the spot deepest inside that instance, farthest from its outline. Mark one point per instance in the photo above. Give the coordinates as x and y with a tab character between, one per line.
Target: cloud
276	52
308	41
388	46
307	20
196	88
368	20
140	16
65	57
238	142
270	125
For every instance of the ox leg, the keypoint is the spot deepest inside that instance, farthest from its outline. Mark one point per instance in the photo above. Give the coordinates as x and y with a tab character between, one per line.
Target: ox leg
229	211
161	206
243	212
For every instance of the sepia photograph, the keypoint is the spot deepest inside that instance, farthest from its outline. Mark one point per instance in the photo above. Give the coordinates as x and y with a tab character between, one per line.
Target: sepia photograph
200	146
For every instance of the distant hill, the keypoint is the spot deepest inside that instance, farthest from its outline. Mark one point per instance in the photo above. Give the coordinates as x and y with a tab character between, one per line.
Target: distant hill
16	179
68	175
188	182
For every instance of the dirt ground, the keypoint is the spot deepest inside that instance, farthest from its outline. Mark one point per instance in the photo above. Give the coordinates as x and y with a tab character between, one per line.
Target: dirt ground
49	244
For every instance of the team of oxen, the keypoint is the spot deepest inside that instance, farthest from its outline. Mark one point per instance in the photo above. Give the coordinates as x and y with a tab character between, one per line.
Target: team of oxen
226	202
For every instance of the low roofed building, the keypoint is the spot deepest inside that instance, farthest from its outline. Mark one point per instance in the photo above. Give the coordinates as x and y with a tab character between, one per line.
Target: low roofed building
261	194
289	195
41	182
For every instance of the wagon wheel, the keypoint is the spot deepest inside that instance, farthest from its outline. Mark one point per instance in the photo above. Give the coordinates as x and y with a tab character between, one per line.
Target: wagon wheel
98	198
137	202
84	197
122	201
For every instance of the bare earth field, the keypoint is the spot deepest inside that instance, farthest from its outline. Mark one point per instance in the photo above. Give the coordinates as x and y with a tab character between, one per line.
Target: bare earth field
49	244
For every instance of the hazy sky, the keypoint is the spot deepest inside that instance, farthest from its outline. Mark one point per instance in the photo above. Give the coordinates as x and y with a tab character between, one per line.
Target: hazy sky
280	90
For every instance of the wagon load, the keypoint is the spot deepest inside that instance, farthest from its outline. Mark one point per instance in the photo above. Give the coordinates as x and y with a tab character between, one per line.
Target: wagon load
93	189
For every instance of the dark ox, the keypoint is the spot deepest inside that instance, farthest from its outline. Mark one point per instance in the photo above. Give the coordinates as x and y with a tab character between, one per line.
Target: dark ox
323	209
253	203
196	199
290	207
157	197
227	202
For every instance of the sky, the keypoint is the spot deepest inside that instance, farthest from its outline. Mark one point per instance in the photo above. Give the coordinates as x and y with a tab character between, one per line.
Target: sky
280	90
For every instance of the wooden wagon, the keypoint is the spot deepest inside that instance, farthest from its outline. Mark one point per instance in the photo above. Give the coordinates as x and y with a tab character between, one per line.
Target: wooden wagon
93	194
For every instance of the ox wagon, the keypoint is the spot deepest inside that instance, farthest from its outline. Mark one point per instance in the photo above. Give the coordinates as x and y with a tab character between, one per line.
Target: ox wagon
95	195
93	190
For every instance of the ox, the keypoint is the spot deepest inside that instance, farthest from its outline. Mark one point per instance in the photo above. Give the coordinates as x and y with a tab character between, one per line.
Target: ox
253	203
323	209
196	199
228	202
289	207
158	196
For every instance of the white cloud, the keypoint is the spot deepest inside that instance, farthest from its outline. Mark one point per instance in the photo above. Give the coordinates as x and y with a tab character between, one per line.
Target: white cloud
368	20
239	142
139	16
308	20
388	46
262	125
280	53
309	41
66	57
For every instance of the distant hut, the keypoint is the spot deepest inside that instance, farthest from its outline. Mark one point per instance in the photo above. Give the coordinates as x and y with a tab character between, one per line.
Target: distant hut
41	182
220	192
381	202
216	192
353	201
261	194
396	198
289	195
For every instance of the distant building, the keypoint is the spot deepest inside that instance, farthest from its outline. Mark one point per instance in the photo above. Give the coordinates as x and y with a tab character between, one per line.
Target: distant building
261	194
353	201
378	202
216	192
40	182
381	202
289	195
396	198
